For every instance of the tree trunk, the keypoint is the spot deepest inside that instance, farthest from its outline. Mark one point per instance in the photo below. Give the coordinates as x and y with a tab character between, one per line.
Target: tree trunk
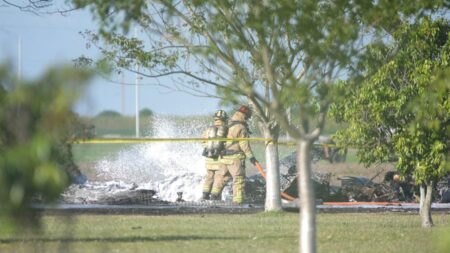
422	199
307	199
426	193
273	198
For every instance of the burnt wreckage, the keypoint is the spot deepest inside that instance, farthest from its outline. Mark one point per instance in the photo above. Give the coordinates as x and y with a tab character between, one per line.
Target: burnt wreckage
255	185
352	188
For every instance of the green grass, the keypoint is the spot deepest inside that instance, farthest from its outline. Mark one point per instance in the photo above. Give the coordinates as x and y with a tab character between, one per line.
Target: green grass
117	126
264	232
259	150
88	153
351	156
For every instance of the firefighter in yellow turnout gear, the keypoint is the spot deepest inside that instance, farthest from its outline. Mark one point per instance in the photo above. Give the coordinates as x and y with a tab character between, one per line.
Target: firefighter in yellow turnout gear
213	182
233	158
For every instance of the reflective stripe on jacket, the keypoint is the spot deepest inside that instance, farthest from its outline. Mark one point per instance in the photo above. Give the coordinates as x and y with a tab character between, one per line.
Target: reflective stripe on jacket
238	129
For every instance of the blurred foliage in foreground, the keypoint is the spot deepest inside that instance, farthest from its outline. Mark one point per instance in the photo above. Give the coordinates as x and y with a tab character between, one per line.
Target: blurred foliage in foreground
35	124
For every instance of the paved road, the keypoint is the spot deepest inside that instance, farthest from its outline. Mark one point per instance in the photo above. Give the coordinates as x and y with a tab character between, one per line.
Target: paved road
224	208
355	207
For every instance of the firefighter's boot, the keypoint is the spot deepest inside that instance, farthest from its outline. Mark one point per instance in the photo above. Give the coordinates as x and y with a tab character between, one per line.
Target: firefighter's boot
206	196
215	197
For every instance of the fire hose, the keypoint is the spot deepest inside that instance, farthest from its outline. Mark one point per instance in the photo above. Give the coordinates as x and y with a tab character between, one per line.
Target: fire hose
263	174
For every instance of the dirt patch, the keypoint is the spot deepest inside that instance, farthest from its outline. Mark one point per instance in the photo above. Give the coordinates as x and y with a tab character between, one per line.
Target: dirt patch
337	170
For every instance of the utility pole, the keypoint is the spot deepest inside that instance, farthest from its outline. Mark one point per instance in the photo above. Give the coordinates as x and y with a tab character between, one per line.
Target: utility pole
137	103
137	91
122	95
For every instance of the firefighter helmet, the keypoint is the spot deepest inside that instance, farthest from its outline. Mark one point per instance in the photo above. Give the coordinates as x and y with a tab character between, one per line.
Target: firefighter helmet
246	111
221	115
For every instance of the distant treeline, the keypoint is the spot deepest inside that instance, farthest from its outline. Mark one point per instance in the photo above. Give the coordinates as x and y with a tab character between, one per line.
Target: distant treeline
111	123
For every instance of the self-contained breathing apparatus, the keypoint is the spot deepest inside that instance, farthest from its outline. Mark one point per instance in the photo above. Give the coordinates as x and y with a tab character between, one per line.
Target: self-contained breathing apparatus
214	149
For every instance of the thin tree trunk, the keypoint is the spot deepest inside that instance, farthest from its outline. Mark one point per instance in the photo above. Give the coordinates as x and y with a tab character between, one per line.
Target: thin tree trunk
422	199
425	212
273	199
289	116
307	199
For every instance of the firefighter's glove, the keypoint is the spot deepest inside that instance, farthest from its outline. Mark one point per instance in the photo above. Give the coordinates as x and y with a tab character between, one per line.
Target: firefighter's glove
253	161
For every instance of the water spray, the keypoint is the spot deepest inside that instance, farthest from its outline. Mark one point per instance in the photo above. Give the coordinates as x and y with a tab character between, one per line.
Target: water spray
165	167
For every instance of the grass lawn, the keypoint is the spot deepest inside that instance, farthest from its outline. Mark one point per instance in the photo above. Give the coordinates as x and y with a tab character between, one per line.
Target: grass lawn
263	232
89	153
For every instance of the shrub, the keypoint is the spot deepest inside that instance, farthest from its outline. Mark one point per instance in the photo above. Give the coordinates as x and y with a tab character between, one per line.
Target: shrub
109	113
146	113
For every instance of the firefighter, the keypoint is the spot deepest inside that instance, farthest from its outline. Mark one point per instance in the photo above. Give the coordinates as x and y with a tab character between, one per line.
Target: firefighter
233	159
212	152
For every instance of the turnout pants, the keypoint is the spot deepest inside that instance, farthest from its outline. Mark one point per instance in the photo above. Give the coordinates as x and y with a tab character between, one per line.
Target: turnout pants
234	168
214	181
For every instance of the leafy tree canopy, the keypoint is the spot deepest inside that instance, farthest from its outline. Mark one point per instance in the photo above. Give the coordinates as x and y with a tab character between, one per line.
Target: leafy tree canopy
397	106
146	112
298	48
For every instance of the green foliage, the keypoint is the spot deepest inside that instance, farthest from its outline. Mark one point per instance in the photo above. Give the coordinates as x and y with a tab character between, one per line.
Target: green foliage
114	12
35	123
109	113
297	49
397	107
146	112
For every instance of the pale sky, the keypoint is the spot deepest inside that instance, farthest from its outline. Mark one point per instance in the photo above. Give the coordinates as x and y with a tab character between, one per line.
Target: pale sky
54	39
